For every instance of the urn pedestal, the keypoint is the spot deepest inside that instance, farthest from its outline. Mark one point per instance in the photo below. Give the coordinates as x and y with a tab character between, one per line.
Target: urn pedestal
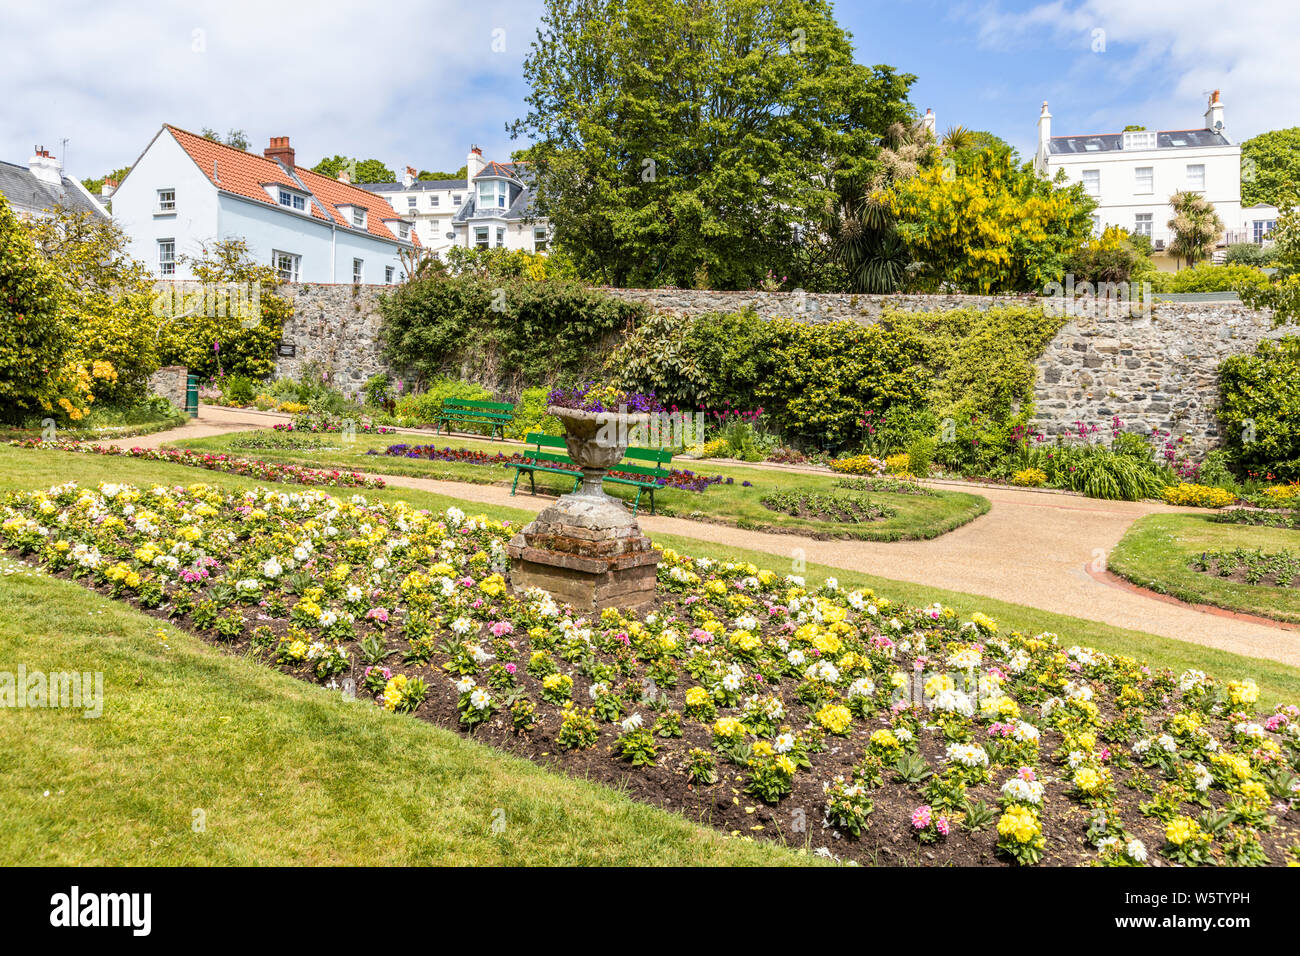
587	549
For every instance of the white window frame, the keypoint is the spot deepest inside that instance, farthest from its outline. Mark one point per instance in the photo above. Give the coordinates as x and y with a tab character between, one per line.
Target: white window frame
1194	178
501	237
1140	139
167	199
541	238
1144	185
404	230
388	275
166	257
482	238
1141	220
358	217
411	201
292	260
434	200
457	199
1095	175
358	271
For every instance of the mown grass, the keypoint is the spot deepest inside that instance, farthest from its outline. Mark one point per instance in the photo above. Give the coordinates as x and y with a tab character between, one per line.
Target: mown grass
1157	551
738	503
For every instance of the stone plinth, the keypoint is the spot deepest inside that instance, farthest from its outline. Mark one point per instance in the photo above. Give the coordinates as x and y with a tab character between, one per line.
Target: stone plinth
586	550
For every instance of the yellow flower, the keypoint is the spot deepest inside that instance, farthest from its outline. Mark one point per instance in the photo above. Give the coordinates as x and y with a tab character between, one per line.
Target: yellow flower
1020	824
835	718
1244	692
1181	829
728	727
696	697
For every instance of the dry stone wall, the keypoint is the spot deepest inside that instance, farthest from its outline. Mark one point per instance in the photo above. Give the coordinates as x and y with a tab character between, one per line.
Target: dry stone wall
1152	369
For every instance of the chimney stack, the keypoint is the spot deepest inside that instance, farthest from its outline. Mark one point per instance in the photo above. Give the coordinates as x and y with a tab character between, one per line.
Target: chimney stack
1214	113
927	121
409	178
109	187
45	167
474	163
1044	129
343	177
280	151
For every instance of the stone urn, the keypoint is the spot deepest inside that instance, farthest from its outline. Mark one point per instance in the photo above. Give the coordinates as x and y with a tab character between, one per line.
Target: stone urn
587	549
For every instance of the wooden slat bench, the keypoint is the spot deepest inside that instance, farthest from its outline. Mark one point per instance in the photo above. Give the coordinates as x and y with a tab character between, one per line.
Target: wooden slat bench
539	458
641	468
464	411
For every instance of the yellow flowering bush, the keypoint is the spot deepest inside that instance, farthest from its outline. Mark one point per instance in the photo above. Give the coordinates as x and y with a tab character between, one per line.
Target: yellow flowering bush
1029	478
1197	496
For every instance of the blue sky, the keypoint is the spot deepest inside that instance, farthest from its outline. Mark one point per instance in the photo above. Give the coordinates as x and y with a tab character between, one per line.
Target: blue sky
419	86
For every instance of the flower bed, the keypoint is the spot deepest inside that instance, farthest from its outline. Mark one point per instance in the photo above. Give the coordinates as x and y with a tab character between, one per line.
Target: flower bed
677	478
248	467
333	423
1250	566
878	732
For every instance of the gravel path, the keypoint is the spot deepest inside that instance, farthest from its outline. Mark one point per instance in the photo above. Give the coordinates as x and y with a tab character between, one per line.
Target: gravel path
1031	548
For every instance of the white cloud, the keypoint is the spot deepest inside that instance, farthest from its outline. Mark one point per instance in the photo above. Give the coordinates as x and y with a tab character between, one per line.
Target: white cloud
413	83
1160	60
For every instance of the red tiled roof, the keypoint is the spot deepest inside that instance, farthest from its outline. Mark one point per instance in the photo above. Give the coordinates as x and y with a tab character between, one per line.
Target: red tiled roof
244	174
497	169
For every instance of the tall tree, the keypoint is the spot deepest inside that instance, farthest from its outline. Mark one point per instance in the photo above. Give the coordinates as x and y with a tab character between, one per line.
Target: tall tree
426	176
237	138
1270	166
700	161
1196	227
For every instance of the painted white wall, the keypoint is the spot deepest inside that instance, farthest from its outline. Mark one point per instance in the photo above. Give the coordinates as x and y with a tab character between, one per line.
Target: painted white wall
165	165
1119	195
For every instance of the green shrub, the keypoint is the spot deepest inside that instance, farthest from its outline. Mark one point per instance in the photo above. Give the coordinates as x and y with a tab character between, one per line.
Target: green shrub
426	404
1100	473
1207	277
530	416
531	332
920	455
237	390
1259	409
1249	254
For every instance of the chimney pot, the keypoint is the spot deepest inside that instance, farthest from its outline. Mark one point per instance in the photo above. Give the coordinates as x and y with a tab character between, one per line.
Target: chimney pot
280	151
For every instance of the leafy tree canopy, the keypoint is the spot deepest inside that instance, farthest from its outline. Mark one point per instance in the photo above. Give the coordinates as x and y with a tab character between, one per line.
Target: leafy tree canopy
426	176
358	170
701	161
237	138
1270	166
95	185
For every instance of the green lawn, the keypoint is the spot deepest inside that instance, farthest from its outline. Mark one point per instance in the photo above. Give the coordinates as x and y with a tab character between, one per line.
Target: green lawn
917	516
1156	551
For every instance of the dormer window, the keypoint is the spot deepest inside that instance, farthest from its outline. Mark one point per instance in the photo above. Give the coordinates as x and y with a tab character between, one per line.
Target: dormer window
404	230
292	200
493	194
1140	139
358	217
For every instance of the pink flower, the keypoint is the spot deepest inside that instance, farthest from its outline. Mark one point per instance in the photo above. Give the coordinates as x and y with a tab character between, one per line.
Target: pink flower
501	628
510	668
921	817
942	826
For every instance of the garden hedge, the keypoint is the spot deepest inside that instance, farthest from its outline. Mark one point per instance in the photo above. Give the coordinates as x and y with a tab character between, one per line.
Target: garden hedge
1259	409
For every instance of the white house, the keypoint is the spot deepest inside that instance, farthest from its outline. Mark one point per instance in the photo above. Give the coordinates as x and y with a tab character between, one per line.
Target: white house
1132	174
185	191
491	207
41	186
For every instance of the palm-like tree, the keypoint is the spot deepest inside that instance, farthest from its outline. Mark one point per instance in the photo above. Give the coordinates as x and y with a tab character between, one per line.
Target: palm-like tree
862	224
957	137
1196	227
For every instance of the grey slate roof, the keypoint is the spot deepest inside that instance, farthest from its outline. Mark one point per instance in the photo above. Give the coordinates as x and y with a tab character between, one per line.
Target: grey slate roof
417	186
28	194
1113	142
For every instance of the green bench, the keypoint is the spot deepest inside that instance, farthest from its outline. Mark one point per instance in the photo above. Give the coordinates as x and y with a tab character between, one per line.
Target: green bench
464	411
642	467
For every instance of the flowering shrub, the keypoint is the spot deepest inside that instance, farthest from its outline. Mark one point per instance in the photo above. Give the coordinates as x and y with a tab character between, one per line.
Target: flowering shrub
591	397
859	465
248	467
1029	478
740	692
1197	496
333	423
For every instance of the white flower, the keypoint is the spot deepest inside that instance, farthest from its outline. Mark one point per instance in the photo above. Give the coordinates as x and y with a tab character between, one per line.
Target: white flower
354	593
731	682
784	743
1025	791
462	625
952	702
632	723
479	699
1136	850
968	755
862	687
465	685
272	568
597	689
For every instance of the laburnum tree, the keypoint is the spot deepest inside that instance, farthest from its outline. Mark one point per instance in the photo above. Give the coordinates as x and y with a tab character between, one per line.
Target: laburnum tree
981	222
704	160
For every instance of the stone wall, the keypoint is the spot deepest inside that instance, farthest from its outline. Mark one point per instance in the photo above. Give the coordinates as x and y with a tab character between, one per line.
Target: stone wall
337	327
169	382
1153	369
